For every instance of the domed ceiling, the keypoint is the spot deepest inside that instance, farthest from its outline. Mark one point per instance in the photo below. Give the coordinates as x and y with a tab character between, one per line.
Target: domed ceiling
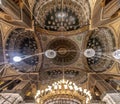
103	42
23	44
67	51
62	15
68	60
57	26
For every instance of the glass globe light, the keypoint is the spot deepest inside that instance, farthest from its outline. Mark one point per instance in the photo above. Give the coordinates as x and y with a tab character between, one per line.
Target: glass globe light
17	59
89	53
116	54
50	54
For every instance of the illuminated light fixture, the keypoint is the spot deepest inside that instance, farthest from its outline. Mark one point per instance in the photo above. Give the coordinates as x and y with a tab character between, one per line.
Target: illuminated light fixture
89	53
65	86
76	88
62	89
55	87
61	14
71	87
0	1
50	54
85	90
116	54
49	88
17	59
80	89
72	18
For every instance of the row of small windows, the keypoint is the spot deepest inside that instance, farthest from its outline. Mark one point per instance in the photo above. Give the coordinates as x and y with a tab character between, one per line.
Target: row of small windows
8	85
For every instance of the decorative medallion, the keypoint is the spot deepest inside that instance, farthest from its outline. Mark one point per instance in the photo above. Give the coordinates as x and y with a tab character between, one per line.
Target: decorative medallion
67	52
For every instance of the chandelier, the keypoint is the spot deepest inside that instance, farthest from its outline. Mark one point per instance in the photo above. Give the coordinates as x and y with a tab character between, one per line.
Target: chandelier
63	92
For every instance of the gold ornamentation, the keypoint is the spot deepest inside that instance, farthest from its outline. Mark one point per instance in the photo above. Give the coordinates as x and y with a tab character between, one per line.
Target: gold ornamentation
61	89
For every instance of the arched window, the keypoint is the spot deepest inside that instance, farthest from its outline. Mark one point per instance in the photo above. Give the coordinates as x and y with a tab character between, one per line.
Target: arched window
13	84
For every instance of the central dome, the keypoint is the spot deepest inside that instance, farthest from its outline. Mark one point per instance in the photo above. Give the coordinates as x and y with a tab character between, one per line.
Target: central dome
66	49
61	15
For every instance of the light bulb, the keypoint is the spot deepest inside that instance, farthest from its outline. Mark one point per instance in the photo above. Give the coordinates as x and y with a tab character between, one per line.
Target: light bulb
42	91
35	96
17	59
71	88
90	97
70	83
74	84
55	87
85	91
67	82
66	87
60	87
38	91
46	89
49	88
80	89
63	81
38	100
76	88
87	100
88	93
56	83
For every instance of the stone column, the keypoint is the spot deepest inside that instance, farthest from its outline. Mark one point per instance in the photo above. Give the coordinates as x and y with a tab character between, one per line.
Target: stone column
20	14
98	81
111	98
102	14
16	95
10	98
111	8
109	94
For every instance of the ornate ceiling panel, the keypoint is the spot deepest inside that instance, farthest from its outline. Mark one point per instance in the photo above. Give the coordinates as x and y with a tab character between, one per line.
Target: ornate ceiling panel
62	15
69	58
67	51
55	74
23	44
63	26
103	42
